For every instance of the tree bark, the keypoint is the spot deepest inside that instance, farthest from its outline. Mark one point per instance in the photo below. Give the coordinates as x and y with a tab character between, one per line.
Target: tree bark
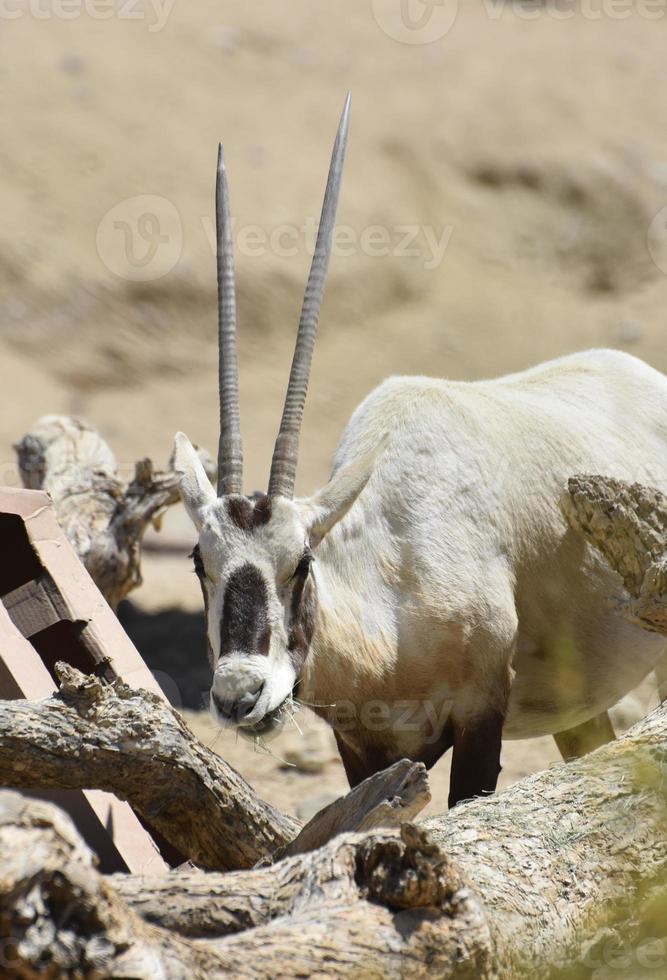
562	865
104	517
132	743
97	736
387	799
363	906
534	882
627	524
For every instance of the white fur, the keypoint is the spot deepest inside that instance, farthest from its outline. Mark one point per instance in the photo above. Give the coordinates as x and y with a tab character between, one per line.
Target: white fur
455	568
236	674
454	574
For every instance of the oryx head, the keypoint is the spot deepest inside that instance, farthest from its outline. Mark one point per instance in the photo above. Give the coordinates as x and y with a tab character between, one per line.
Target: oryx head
254	554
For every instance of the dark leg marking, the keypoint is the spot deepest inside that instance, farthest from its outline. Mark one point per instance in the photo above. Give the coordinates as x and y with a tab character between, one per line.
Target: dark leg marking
476	758
590	735
245	620
359	764
430	754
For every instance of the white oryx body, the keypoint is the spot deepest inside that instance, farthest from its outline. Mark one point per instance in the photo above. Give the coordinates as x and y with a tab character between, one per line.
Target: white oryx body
455	566
430	595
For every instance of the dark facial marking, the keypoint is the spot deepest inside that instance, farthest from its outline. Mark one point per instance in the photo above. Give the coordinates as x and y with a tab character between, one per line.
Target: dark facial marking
245	621
248	513
303	614
199	569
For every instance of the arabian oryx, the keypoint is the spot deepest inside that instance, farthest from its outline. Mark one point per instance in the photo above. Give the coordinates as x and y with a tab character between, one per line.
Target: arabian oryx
431	588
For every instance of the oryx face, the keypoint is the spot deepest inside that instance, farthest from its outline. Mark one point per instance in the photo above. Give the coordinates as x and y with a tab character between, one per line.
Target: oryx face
255	559
254	555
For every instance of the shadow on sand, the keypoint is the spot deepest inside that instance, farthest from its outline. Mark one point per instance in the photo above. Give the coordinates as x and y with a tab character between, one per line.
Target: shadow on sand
173	645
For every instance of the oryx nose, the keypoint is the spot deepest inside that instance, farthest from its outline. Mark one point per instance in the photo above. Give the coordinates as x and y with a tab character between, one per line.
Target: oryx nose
238	708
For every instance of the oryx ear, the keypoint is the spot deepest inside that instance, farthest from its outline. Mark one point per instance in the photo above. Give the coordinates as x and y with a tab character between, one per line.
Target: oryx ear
325	508
195	486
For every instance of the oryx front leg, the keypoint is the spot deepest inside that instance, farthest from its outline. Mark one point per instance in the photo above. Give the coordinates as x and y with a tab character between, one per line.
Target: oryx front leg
478	716
476	727
476	757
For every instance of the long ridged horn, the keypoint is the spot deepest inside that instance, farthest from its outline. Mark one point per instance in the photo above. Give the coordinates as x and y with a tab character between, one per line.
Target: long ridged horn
285	454
230	450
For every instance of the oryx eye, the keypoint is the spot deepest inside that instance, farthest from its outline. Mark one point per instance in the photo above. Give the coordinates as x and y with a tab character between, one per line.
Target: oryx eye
198	563
303	567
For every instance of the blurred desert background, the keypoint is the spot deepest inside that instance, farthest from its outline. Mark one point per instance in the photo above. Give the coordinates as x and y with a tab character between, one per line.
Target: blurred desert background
502	204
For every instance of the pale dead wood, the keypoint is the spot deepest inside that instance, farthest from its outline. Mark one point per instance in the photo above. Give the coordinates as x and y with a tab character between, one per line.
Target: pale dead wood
363	906
564	860
627	524
517	885
387	799
132	743
98	736
60	918
103	516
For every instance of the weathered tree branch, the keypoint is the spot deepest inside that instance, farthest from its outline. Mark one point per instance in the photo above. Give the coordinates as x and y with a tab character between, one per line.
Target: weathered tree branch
387	799
528	883
627	524
132	743
97	736
372	906
561	863
59	917
103	517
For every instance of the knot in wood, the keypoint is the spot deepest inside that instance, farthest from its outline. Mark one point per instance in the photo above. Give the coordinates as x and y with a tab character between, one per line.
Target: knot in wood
406	872
84	690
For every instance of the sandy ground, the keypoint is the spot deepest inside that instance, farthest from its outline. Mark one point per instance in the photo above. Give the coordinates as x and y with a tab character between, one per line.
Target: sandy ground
521	164
282	780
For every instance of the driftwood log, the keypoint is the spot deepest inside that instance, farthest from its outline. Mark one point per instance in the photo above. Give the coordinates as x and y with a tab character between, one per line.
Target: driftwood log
562	875
627	524
132	743
535	882
103	516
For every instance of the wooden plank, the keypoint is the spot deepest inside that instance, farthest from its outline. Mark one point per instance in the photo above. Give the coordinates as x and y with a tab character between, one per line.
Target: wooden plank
35	606
102	636
59	613
108	825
